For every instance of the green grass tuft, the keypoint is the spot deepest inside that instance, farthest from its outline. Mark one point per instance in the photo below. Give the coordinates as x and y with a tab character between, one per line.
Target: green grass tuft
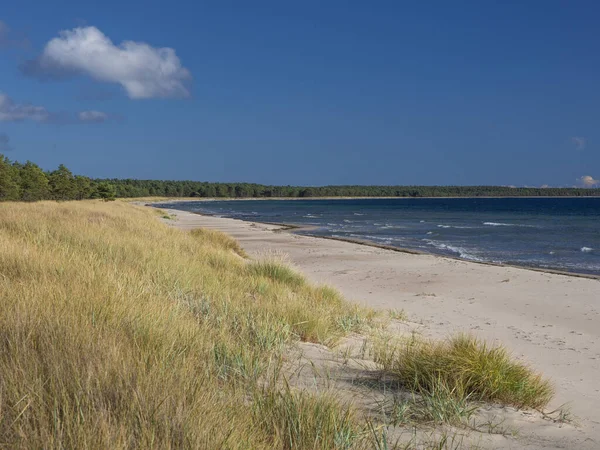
222	240
466	367
304	421
276	271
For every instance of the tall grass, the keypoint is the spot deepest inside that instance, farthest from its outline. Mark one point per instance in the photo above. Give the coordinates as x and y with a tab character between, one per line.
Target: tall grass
464	367
304	421
117	331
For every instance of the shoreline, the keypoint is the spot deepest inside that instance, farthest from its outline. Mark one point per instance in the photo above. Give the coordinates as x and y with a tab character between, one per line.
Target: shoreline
545	319
295	228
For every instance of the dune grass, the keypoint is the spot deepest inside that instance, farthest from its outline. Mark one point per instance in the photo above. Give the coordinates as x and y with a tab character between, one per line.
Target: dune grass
219	239
117	331
462	368
307	421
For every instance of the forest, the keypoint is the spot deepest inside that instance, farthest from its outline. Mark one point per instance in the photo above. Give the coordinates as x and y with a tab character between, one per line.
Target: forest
28	182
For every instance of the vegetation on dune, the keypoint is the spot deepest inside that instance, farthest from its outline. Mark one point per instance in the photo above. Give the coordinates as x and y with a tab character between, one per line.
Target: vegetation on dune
117	331
219	239
27	182
463	368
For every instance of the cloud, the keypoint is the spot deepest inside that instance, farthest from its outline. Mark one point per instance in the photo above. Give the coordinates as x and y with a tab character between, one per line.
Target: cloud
143	71
16	112
588	181
92	116
9	40
5	143
580	142
10	111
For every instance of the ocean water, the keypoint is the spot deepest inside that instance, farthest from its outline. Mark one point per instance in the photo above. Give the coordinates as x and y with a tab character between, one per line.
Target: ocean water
552	233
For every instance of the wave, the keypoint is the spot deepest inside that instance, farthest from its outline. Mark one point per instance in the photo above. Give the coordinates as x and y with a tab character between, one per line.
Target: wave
348	221
461	251
358	214
458	227
500	224
586	249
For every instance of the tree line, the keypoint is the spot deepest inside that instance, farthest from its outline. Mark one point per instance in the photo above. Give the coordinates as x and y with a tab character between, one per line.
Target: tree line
28	182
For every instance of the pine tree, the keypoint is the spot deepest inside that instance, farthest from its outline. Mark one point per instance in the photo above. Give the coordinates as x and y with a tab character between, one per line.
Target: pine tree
62	184
33	182
83	187
9	187
106	191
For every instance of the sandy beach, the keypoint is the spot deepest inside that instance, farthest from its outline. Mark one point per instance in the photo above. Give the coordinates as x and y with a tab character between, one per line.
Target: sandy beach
550	320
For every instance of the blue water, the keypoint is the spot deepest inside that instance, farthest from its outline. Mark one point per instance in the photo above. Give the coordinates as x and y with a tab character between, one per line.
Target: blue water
554	233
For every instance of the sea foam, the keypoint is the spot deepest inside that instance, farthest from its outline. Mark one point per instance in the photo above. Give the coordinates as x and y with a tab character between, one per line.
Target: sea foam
500	224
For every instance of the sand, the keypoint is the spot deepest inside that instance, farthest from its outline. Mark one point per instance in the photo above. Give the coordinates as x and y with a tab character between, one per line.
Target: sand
550	320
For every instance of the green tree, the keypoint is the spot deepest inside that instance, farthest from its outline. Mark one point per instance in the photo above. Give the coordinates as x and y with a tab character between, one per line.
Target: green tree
83	187
9	186
62	184
106	191
33	182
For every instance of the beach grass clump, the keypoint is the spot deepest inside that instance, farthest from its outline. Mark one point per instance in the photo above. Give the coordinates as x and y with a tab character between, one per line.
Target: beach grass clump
440	405
277	271
220	239
304	421
465	367
117	331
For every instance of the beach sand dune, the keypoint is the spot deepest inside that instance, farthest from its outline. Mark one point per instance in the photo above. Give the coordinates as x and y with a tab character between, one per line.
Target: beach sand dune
550	320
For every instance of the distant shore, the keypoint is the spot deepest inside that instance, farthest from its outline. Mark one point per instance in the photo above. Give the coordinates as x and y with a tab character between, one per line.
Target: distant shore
223	199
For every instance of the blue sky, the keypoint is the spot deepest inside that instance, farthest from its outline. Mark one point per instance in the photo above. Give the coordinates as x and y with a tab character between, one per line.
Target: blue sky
468	93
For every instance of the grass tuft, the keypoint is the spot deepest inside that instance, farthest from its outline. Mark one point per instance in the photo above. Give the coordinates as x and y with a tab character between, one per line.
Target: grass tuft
276	271
220	239
304	421
466	367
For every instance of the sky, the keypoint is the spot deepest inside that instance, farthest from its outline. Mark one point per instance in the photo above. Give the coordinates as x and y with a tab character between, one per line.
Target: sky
305	93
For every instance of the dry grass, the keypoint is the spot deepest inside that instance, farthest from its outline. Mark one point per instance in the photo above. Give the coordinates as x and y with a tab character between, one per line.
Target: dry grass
117	331
216	238
463	368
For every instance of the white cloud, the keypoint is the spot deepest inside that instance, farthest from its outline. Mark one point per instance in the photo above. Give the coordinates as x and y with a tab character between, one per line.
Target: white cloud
588	181
142	70
14	112
579	141
93	116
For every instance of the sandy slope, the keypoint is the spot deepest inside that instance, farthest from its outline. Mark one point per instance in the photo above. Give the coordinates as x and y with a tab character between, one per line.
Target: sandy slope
551	320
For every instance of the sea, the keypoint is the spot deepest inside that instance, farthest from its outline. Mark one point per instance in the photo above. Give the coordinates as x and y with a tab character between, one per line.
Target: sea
548	233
